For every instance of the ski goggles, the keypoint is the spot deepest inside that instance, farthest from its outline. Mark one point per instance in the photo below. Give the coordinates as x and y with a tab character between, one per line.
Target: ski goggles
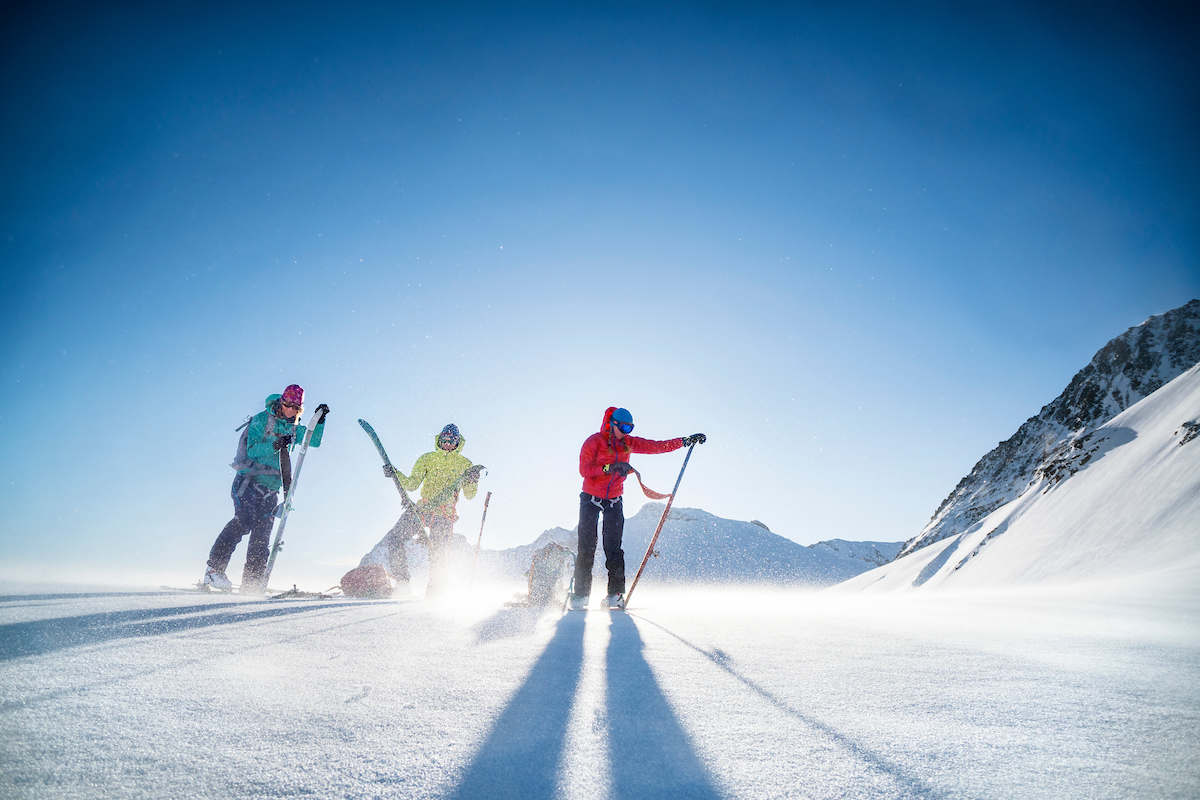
624	427
286	404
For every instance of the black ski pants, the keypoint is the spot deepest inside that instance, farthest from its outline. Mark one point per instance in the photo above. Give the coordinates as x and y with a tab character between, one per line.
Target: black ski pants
590	509
253	513
441	534
403	532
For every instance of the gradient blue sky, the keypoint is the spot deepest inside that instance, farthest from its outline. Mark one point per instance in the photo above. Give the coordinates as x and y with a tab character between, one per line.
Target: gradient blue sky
856	247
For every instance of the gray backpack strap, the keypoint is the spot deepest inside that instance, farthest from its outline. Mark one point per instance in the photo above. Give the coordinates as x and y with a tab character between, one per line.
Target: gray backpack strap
240	459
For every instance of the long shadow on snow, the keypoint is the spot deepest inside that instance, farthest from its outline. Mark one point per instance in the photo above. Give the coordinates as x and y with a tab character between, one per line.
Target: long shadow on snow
650	753
520	756
208	657
913	786
48	635
8	598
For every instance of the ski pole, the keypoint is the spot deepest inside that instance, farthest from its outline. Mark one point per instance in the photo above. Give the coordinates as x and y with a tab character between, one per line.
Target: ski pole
317	417
478	541
571	585
658	530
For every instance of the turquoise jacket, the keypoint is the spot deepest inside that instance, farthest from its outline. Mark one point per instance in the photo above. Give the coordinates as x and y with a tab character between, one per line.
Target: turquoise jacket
256	453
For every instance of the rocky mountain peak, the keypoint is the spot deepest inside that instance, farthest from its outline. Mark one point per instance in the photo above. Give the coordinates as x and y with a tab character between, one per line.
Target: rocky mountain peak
1127	369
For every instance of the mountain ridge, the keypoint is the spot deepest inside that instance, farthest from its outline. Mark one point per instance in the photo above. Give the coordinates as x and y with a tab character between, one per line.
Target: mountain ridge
696	545
1127	369
1120	508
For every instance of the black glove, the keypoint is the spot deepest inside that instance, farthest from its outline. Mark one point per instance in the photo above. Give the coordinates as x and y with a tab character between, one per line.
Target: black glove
695	438
283	442
619	468
473	472
325	409
389	471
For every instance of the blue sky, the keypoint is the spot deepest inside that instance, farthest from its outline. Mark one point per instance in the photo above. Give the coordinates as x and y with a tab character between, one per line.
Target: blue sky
856	247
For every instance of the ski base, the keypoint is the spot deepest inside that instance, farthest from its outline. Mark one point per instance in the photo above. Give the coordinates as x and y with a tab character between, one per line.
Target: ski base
585	610
600	607
297	594
201	588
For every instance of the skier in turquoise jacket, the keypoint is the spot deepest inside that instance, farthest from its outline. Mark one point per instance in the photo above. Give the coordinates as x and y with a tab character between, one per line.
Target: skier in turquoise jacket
263	467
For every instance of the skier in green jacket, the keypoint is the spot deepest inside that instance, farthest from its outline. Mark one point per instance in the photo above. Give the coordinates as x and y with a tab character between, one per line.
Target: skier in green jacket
440	474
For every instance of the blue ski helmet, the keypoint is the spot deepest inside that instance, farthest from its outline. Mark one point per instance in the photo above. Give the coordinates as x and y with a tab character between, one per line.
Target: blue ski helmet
623	420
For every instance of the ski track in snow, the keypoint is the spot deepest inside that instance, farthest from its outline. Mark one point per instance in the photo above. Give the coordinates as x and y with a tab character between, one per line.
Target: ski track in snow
702	694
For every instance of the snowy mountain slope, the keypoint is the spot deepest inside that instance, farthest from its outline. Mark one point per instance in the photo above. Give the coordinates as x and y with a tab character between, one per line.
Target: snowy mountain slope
698	546
694	545
513	561
1127	369
1120	503
731	693
870	553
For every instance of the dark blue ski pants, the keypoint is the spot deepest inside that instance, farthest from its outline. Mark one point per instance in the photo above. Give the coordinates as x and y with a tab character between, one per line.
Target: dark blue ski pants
253	513
590	509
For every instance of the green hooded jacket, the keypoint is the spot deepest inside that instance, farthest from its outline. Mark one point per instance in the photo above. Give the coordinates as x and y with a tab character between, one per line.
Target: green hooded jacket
256	453
434	473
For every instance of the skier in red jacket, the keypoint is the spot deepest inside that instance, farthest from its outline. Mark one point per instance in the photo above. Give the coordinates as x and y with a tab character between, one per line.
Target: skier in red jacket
604	463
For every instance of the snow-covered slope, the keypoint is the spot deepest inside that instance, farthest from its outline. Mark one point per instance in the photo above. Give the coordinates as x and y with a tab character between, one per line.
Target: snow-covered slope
698	546
1120	503
1127	369
732	693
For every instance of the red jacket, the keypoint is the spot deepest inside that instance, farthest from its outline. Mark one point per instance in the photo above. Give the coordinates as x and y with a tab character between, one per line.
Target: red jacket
601	448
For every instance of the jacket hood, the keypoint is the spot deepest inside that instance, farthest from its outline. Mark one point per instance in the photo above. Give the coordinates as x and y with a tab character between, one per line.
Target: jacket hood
272	404
462	440
620	445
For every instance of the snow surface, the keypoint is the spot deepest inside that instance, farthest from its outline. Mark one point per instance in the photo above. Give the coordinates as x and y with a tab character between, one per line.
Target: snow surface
1123	505
741	693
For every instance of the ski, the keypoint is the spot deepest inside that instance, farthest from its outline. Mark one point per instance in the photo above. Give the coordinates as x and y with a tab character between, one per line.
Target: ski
317	418
200	588
387	462
294	593
297	594
195	588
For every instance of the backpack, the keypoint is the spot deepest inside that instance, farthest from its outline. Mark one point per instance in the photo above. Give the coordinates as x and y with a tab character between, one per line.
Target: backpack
549	573
369	581
241	459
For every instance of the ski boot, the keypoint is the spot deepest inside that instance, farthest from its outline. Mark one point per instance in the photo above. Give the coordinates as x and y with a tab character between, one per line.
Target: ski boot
256	587
215	579
615	602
